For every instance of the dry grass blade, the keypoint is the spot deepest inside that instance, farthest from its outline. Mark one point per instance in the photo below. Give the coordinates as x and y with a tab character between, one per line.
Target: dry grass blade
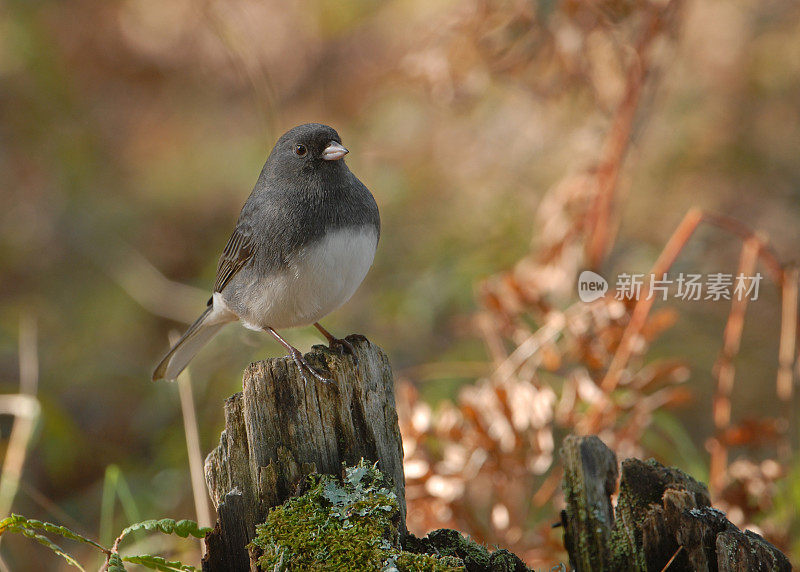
26	410
193	450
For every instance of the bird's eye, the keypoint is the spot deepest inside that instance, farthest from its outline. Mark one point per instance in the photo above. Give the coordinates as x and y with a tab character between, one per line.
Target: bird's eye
300	150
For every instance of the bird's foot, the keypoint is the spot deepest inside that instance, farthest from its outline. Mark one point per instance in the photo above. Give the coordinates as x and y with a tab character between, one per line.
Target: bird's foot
304	366
343	347
339	344
299	360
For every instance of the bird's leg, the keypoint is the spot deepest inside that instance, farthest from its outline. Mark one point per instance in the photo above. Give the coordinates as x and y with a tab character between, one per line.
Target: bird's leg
343	344
299	360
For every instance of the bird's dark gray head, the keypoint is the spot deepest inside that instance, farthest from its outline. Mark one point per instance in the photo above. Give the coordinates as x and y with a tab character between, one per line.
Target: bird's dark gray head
305	189
312	145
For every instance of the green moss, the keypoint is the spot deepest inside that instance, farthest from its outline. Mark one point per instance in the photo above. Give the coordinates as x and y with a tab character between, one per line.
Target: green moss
452	543
505	561
408	562
475	557
341	524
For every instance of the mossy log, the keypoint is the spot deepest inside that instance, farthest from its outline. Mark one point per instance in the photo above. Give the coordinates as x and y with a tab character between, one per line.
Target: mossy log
663	519
281	428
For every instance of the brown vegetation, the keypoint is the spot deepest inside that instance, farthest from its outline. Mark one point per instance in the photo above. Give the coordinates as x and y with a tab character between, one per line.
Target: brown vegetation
486	464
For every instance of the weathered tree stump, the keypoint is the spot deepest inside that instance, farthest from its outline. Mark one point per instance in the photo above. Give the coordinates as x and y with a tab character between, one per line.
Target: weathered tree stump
663	520
590	516
280	429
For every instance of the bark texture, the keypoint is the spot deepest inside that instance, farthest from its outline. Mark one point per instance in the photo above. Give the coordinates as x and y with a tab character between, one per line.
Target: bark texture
590	516
280	428
663	519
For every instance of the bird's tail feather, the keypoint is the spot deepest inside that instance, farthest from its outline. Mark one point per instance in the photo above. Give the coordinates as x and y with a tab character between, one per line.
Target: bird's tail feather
198	335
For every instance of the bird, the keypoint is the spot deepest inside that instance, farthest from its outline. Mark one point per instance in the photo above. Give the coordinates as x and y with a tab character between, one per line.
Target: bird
304	241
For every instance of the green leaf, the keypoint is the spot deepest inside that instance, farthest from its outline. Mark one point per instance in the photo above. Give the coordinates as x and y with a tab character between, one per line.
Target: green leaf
182	528
161	564
16	520
46	542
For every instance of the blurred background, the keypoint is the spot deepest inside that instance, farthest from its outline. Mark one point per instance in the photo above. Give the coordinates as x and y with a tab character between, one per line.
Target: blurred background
509	144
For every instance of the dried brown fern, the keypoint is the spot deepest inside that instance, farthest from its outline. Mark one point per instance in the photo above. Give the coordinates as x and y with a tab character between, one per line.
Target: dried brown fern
485	464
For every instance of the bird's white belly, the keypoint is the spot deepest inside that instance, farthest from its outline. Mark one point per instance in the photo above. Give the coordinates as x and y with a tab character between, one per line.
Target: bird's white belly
322	277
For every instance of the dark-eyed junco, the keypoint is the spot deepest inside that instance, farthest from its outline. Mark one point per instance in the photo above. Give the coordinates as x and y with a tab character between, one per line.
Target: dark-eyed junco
305	239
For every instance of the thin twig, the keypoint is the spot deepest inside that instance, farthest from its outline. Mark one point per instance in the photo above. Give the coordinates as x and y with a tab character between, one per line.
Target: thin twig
548	332
788	339
671	560
766	253
620	135
724	369
674	246
786	356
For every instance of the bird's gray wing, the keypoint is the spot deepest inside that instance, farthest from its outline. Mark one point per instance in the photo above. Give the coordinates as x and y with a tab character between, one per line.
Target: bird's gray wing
237	253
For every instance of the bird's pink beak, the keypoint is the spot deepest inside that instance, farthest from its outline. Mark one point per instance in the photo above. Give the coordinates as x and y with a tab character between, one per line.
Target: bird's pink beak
334	151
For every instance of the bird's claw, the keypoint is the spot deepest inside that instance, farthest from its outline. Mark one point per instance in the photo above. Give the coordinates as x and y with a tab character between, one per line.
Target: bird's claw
344	346
302	365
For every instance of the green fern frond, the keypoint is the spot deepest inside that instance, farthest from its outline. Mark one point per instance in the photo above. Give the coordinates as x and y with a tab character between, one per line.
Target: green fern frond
159	563
16	520
41	539
182	528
